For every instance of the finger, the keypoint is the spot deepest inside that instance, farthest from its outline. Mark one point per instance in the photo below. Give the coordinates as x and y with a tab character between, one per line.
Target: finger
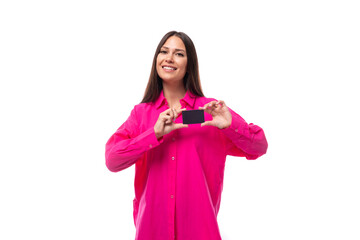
207	123
180	125
167	119
212	104
171	112
166	112
174	114
207	105
180	110
221	103
207	110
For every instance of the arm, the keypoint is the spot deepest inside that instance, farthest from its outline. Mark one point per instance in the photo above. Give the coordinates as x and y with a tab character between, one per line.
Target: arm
127	145
241	139
246	140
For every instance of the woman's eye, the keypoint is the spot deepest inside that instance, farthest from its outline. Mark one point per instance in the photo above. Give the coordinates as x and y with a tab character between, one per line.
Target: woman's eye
163	51
180	54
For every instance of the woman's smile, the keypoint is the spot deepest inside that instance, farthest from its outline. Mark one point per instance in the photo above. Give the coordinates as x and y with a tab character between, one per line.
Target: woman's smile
168	68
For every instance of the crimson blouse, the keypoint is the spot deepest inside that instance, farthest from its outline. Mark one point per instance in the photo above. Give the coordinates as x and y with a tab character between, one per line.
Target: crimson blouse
179	178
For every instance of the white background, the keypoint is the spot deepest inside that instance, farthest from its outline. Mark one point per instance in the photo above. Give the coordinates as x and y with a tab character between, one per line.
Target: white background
71	71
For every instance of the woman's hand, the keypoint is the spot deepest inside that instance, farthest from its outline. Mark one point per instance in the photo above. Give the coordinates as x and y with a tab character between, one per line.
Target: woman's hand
220	113
165	122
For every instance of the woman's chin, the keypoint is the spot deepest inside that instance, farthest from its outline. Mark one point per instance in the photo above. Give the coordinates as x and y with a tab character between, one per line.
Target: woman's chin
171	80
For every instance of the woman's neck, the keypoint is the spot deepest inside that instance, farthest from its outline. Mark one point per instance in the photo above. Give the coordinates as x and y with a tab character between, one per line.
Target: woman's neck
173	95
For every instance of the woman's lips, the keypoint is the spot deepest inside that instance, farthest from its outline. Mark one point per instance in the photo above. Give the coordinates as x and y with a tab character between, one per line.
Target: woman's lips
169	68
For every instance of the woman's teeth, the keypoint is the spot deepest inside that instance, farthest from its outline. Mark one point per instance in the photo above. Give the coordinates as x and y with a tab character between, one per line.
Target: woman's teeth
169	68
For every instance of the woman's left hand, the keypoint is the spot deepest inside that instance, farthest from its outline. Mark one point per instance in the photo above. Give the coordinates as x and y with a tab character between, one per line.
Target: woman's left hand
220	113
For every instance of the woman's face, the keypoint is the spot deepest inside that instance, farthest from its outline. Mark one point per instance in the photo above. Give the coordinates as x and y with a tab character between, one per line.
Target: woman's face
171	61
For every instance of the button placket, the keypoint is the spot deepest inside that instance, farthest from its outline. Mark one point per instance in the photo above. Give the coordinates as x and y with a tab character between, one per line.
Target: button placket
172	163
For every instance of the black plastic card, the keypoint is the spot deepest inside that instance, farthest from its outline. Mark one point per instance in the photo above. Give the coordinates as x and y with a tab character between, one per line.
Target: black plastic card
193	116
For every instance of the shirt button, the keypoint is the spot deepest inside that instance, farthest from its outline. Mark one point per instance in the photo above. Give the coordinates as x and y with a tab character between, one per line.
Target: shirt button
236	130
173	139
150	146
173	158
172	196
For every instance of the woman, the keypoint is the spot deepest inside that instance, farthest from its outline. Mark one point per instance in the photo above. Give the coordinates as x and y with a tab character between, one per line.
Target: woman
179	167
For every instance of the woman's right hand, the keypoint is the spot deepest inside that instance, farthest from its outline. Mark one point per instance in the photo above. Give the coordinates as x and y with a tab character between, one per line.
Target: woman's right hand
165	122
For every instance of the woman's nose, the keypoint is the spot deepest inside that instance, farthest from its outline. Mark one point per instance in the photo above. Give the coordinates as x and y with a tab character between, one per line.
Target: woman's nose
169	58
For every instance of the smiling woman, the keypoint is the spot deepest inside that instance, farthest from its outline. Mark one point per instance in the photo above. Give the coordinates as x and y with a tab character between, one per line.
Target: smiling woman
179	168
174	69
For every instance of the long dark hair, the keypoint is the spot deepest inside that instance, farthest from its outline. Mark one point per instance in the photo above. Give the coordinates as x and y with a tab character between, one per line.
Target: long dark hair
191	79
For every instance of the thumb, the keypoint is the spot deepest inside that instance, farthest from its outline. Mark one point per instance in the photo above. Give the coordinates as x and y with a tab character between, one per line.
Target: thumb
207	123
180	125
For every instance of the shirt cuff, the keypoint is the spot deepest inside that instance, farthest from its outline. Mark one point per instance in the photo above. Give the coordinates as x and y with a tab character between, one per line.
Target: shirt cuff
236	128
150	140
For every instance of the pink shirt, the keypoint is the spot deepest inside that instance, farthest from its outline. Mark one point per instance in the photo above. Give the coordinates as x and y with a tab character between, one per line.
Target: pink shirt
179	178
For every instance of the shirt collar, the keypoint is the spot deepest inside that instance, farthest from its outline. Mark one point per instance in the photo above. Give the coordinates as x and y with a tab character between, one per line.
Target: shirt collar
189	98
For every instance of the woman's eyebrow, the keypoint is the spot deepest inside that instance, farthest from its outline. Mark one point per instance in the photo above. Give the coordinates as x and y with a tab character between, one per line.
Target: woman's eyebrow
176	49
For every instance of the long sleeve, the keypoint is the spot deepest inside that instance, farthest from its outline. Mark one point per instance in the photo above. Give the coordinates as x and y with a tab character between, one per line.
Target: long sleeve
127	145
244	140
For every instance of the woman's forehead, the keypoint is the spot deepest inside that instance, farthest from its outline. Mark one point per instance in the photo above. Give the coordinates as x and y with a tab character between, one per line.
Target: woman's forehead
174	42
